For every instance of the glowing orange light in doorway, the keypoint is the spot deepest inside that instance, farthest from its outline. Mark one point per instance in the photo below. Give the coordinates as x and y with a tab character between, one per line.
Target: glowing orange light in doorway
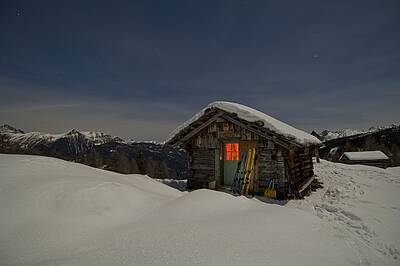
232	151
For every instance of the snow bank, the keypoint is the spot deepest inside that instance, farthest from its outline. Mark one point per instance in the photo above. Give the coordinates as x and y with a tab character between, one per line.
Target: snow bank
252	115
52	208
394	170
365	155
57	212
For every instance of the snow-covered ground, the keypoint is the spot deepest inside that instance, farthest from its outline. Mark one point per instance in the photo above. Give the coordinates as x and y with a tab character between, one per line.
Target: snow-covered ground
362	204
58	212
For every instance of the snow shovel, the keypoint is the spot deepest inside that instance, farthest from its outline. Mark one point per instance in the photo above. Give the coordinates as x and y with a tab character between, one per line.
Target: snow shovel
270	192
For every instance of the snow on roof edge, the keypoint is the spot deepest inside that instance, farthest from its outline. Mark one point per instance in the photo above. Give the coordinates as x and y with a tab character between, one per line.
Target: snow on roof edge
365	155
251	115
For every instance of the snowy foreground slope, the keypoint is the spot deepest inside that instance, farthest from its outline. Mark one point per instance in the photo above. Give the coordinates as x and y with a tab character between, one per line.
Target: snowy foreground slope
58	212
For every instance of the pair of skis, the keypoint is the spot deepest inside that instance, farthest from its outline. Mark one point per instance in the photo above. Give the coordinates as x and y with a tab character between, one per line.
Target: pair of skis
247	179
244	173
237	179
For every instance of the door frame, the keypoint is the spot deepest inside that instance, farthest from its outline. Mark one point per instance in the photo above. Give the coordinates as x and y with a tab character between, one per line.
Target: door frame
222	156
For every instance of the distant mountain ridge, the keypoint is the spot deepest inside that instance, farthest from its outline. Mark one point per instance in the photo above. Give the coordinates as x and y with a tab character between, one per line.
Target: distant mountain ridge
99	150
33	138
386	140
327	135
9	129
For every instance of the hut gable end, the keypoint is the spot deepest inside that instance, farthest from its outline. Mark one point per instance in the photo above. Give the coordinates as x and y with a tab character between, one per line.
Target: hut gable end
252	117
215	121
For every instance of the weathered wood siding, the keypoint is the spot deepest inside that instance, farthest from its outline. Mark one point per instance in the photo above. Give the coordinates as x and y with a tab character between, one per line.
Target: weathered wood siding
201	168
271	164
206	152
279	158
300	164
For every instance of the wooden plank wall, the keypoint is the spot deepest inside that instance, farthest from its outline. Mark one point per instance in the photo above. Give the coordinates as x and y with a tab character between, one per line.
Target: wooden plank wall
205	148
300	163
201	168
271	164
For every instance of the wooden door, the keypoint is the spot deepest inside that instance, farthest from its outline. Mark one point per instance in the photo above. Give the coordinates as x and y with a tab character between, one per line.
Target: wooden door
231	159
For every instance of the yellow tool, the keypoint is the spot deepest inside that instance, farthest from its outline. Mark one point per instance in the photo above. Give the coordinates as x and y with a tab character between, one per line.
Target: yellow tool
251	173
249	169
270	192
246	171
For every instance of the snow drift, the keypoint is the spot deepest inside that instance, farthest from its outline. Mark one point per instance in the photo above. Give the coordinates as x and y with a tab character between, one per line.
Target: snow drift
58	212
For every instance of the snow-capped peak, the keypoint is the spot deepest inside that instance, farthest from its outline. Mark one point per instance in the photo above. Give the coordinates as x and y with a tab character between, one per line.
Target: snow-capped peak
327	135
73	131
31	139
100	137
9	129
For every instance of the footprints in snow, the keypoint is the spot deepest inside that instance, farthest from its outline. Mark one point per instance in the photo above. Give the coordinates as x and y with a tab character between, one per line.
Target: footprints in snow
336	204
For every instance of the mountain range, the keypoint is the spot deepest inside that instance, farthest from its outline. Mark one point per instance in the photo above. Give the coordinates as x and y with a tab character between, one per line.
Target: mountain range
99	150
327	135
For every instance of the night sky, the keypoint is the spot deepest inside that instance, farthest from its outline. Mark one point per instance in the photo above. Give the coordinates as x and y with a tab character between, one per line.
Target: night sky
137	69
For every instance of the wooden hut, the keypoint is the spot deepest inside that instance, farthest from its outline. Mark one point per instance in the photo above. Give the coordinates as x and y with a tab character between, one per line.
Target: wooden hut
385	140
218	137
373	158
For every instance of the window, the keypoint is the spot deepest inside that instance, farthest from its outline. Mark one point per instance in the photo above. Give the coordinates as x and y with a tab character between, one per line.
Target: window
232	151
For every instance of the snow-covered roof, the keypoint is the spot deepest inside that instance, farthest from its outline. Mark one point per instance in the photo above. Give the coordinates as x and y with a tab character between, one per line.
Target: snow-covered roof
365	155
252	115
333	150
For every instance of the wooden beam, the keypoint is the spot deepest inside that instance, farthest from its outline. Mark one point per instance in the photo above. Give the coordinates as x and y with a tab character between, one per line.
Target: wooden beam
217	166
198	129
256	131
306	184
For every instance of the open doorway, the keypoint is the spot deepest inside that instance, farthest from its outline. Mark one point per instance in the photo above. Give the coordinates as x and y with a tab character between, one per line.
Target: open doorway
231	157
